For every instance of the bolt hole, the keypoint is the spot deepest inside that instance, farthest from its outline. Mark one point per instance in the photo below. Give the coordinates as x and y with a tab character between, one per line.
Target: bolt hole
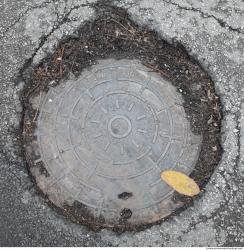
125	214
125	195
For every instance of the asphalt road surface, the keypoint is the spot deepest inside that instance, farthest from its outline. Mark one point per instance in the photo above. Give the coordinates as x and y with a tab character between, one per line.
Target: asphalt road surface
212	32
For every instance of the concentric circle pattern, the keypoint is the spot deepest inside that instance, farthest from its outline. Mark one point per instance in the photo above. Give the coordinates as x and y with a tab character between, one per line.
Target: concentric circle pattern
113	131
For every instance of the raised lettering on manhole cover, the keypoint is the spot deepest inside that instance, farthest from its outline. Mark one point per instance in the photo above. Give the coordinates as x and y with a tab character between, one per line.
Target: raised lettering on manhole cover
103	140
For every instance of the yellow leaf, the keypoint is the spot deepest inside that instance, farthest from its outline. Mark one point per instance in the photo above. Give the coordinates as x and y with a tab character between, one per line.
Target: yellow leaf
180	182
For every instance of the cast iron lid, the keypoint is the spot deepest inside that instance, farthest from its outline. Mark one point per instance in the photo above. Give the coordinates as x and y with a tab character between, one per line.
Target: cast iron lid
103	140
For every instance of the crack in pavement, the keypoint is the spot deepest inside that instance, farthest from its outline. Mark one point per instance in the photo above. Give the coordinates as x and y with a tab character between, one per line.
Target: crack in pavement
238	134
44	4
21	15
55	27
221	22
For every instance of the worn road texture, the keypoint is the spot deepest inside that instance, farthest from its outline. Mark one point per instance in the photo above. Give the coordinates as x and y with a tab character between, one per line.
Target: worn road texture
211	32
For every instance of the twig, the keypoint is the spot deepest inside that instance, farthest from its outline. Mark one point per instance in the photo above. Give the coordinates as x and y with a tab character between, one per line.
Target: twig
121	25
61	62
156	70
33	89
39	105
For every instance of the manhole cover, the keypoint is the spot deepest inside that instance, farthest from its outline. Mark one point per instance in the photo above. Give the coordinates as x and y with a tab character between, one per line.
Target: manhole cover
103	140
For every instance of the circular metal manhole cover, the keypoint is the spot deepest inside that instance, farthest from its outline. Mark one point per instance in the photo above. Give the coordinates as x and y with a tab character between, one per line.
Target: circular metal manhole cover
103	141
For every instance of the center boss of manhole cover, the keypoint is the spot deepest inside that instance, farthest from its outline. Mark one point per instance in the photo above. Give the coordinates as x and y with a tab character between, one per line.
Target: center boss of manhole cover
103	141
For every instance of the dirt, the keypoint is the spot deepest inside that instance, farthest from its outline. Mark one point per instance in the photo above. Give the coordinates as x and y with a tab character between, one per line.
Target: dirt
113	35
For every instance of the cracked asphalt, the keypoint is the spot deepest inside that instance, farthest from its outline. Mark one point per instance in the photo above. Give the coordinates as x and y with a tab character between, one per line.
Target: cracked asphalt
212	32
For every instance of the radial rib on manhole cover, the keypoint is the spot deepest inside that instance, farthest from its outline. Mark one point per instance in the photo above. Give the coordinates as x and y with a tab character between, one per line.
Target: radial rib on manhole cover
103	140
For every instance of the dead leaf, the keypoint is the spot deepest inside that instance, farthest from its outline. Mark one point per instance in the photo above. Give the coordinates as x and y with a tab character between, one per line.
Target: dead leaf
180	182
